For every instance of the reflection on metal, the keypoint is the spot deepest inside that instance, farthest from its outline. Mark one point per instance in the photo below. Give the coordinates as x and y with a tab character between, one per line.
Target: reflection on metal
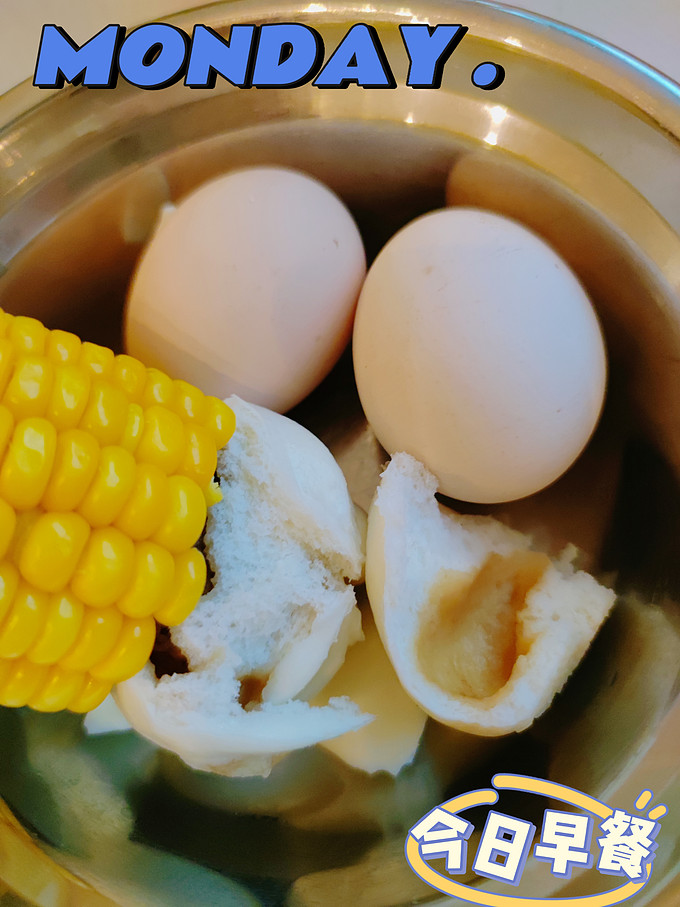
497	113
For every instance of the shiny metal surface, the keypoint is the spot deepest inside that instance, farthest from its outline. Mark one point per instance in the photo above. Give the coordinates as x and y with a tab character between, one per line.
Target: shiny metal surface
582	144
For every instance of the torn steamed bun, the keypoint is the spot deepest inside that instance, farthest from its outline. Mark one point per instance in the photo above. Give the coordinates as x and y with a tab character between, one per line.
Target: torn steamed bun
285	545
481	629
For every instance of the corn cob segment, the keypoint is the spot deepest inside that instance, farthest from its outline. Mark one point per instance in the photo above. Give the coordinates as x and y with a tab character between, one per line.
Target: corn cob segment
106	470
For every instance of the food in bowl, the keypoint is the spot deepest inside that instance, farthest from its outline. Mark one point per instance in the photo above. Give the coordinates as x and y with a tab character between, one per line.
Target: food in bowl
285	543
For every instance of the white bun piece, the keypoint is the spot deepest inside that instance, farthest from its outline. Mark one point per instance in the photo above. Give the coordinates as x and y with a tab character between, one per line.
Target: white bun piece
482	630
390	741
285	543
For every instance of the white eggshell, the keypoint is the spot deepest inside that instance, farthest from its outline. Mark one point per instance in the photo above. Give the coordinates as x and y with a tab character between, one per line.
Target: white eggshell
477	351
249	287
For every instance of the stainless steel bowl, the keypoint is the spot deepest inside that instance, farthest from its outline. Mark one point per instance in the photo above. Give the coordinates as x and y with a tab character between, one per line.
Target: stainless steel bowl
580	142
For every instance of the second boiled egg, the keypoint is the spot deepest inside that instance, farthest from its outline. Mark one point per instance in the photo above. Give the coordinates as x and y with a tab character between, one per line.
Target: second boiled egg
477	351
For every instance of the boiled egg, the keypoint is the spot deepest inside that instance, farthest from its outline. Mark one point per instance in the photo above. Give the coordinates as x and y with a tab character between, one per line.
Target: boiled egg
478	352
248	287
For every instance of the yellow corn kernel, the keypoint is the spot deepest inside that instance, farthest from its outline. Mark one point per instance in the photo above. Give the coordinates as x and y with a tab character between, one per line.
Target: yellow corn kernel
75	465
220	420
99	631
62	346
129	375
110	488
7	362
51	552
147	504
185	516
6	430
212	493
130	653
162	442
22	682
25	520
159	389
8	521
188	585
7	666
58	689
106	413
24	622
105	569
97	359
28	335
190	403
27	466
70	393
9	583
134	426
63	624
30	387
200	456
5	321
151	583
92	694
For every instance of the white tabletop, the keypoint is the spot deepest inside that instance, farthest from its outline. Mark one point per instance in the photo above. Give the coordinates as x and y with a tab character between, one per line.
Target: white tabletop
650	30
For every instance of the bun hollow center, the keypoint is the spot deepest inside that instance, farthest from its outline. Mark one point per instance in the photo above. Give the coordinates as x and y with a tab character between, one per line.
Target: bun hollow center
469	637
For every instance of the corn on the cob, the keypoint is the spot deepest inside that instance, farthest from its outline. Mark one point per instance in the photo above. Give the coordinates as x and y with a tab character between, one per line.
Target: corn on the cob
106	470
